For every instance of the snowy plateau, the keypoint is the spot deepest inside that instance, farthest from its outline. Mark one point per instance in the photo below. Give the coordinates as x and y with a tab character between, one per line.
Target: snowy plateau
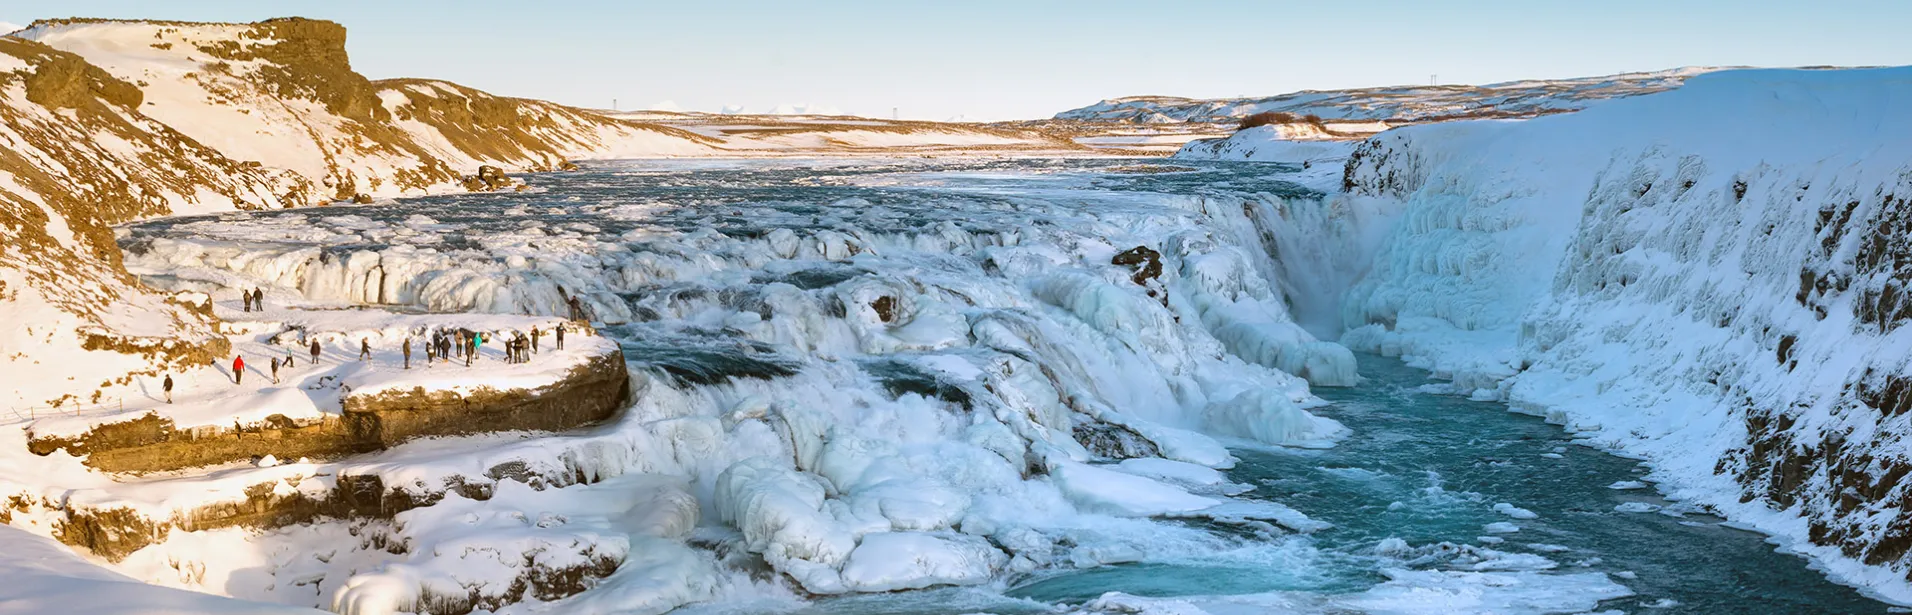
528	358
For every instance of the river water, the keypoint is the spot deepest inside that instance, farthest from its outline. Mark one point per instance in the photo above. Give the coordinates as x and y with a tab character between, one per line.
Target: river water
1429	469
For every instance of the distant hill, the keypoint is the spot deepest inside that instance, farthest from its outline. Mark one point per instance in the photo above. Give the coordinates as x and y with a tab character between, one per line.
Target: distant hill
1396	104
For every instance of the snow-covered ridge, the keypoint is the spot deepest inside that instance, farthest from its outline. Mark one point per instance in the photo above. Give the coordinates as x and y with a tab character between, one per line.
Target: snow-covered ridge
281	93
1712	277
1395	104
1275	143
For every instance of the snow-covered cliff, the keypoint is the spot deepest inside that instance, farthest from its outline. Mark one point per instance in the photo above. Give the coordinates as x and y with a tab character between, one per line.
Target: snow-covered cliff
1713	278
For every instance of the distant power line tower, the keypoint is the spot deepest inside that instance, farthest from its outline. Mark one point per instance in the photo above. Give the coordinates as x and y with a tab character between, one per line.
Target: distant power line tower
1432	78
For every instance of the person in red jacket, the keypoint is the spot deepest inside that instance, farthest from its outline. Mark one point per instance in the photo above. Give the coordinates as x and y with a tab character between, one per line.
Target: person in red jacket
238	369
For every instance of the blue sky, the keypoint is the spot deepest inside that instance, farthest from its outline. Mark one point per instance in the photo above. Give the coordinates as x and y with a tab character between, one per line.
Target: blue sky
991	59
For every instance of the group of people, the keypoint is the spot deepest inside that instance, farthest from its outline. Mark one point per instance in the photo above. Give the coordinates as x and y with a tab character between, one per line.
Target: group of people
254	299
441	346
445	345
518	349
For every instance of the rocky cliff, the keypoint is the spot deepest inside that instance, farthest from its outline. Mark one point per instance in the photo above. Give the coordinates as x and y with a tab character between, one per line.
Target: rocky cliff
1728	303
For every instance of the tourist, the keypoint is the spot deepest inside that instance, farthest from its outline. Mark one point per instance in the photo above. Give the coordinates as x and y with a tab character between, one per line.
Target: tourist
168	387
238	369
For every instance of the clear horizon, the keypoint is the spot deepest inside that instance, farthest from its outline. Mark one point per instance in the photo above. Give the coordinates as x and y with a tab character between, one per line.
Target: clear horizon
997	60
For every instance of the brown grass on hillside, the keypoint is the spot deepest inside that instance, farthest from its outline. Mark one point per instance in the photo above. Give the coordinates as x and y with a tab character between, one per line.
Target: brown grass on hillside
1279	117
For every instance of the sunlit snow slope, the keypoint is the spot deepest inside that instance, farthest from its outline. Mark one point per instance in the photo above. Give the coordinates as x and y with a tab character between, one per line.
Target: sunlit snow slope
282	94
1714	278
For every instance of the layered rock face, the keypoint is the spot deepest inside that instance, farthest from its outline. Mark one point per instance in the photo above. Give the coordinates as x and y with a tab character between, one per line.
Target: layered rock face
591	392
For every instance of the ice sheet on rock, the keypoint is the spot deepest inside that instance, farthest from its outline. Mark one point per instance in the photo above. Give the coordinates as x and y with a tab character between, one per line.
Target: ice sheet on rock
891	561
1236	511
1105	491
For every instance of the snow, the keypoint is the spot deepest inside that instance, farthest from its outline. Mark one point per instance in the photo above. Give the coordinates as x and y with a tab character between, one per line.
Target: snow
891	561
1269	144
45	577
305	392
233	107
1631	270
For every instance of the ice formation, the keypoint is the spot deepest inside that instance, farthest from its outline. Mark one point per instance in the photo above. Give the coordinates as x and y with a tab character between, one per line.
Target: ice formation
890	389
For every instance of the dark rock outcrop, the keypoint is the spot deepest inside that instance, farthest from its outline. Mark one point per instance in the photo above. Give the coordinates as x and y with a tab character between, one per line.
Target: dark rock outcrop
1146	262
488	179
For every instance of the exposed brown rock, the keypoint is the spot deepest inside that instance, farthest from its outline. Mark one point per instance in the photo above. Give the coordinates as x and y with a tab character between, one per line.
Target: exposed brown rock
64	81
1146	262
110	533
1113	441
590	393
